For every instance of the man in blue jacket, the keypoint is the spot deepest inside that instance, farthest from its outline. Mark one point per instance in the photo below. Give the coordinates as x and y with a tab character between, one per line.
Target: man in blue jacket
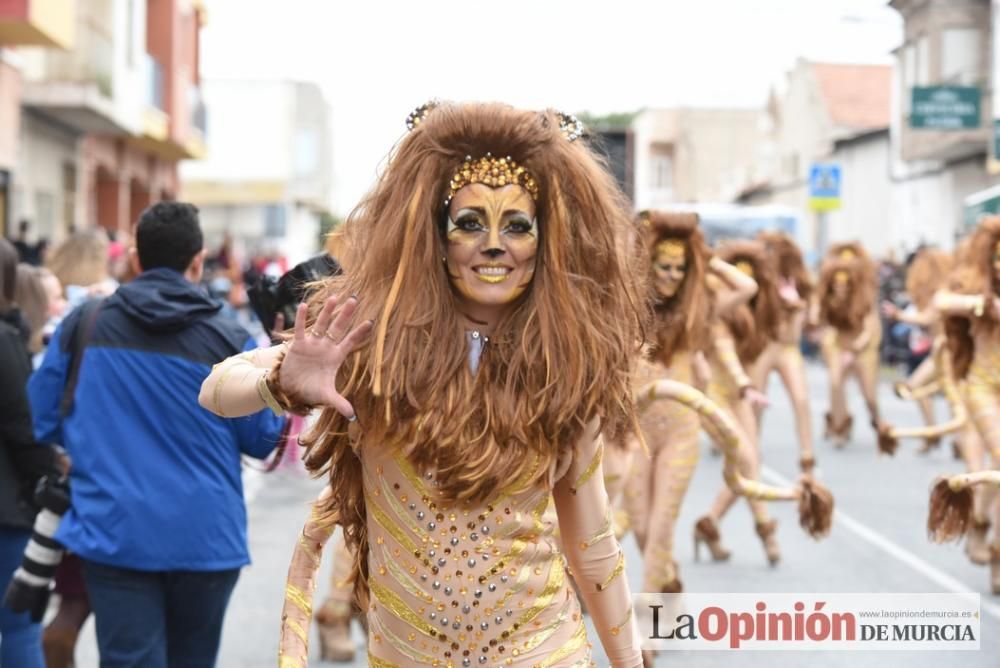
157	512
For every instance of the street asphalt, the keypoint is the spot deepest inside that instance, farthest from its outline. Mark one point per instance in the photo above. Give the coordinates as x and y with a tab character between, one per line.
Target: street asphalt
878	544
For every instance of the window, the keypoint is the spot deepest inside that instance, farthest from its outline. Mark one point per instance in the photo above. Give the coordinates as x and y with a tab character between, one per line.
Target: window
662	172
130	34
45	213
923	64
69	195
908	76
275	217
960	59
306	156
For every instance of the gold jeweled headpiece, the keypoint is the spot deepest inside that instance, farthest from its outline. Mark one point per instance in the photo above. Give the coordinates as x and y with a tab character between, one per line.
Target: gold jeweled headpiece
745	266
418	115
847	254
570	126
492	172
671	248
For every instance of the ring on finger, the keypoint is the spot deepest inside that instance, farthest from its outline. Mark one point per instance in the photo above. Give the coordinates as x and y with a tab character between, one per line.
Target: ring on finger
330	336
315	332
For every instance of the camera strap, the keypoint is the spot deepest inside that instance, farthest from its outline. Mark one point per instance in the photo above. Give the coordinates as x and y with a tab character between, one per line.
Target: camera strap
79	339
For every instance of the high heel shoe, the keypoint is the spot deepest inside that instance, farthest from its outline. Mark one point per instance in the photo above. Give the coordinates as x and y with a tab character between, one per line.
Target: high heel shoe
673	585
931	443
706	531
976	547
766	531
333	621
840	434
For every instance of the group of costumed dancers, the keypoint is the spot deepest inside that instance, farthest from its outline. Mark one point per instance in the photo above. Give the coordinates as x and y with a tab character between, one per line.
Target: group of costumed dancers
515	369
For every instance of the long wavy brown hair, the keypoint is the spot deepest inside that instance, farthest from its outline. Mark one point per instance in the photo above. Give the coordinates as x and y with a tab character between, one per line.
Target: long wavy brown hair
847	314
681	323
927	273
973	275
788	260
754	333
561	357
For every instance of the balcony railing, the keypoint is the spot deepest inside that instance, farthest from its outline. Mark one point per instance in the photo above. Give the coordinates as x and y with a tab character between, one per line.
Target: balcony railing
154	83
89	62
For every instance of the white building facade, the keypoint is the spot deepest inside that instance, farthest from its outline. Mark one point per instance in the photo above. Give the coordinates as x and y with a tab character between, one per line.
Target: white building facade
268	176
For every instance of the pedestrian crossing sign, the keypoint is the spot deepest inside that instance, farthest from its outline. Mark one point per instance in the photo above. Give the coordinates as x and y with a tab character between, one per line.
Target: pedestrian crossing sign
824	187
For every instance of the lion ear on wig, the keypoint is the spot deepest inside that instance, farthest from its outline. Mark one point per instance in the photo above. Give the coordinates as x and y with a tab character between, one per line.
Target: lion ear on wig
571	127
418	115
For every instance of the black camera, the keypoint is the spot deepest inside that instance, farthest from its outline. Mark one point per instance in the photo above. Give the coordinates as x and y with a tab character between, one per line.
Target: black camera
29	589
270	296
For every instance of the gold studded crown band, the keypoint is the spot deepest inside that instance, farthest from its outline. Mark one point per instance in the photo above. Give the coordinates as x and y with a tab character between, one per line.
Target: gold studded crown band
671	248
492	172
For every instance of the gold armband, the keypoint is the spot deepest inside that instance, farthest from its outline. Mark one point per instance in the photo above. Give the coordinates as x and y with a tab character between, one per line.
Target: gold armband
980	306
264	390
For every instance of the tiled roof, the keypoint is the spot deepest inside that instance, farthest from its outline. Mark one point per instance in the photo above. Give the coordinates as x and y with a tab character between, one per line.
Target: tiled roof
857	96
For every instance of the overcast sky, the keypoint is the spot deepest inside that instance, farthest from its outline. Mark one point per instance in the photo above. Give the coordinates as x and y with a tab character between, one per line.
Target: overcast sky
378	59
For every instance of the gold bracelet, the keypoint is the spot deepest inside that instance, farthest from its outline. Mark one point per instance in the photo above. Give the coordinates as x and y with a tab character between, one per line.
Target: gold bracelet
267	396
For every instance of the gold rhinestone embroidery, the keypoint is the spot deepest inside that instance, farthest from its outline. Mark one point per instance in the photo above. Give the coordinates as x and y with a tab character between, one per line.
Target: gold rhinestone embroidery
588	473
619	567
570	648
492	172
395	604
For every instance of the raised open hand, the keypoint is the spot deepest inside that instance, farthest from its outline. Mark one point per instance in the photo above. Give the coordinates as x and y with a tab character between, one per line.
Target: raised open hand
309	370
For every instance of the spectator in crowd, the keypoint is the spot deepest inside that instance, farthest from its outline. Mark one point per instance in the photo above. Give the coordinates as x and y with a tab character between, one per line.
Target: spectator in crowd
157	514
26	252
22	463
80	263
32	299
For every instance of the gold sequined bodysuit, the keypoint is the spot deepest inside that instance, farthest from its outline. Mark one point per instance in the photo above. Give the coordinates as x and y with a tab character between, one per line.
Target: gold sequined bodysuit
487	585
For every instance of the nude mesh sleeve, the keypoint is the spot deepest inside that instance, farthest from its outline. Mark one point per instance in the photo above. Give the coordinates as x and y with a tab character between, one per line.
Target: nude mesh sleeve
594	554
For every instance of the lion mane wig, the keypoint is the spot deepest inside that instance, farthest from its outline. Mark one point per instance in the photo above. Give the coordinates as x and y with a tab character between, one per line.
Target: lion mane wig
926	274
788	260
681	323
753	333
848	250
973	275
847	314
560	358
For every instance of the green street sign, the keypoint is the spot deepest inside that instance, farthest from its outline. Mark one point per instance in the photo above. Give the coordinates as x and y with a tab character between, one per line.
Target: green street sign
945	107
983	203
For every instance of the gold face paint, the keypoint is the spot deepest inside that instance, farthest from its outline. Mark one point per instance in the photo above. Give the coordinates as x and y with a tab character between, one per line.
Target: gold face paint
492	241
670	267
841	277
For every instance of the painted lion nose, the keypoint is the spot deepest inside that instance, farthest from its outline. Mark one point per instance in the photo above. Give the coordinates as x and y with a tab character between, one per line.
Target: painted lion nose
493	252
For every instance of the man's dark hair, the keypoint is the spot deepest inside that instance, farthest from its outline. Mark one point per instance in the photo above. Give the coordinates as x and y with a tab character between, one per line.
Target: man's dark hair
168	235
